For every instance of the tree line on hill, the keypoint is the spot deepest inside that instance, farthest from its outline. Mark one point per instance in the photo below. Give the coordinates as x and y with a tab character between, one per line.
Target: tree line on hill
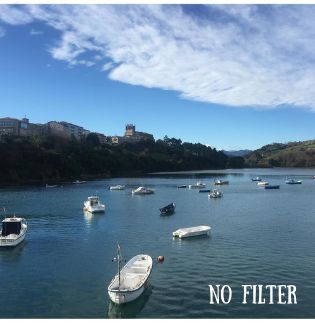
291	154
51	157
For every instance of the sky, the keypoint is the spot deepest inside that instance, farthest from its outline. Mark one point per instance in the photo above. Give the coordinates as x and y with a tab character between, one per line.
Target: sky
229	76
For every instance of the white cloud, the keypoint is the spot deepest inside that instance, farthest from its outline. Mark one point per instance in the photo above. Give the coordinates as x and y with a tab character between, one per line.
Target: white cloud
107	66
2	32
237	55
35	32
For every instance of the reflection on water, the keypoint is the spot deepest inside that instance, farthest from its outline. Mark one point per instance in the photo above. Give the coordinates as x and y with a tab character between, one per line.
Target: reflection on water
12	254
131	309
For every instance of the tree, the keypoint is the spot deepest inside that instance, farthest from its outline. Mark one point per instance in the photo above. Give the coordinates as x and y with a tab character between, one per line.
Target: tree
93	139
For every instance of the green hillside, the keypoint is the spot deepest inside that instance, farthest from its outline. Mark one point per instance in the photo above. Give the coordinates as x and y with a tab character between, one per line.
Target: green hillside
292	154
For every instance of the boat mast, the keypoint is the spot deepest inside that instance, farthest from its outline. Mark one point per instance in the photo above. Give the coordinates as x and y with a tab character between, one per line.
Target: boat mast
118	261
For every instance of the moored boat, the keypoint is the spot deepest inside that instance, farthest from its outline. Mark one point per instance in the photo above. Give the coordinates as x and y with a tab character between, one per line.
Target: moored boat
197	185
220	182
291	181
117	187
265	183
130	282
93	205
272	187
168	209
216	194
192	231
313	177
182	186
51	186
257	179
143	191
13	231
78	182
204	190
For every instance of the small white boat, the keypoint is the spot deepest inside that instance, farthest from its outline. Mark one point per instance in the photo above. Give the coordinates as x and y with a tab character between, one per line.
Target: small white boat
13	231
118	187
216	194
51	186
262	183
197	185
78	182
143	191
191	231
130	282
93	205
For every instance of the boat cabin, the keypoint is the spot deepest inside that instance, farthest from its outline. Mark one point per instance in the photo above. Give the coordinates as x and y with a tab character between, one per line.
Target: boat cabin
11	226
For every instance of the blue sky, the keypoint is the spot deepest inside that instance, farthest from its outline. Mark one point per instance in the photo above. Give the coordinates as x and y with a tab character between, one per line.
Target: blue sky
229	76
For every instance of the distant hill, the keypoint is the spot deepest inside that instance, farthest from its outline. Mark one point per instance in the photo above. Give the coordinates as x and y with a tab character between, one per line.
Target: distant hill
236	153
291	154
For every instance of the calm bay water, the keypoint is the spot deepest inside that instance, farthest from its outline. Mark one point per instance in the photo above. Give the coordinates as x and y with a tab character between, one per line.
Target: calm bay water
257	237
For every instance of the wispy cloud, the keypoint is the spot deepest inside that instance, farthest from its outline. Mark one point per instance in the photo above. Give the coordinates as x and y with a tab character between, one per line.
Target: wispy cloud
36	32
238	55
2	32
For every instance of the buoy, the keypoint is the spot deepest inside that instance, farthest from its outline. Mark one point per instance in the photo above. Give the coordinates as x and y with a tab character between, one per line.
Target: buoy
161	258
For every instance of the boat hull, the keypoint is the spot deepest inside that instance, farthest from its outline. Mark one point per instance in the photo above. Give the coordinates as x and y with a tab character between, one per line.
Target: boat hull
123	297
191	231
272	187
221	183
11	240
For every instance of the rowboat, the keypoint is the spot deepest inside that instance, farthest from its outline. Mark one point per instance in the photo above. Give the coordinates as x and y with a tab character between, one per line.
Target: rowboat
131	281
168	209
191	231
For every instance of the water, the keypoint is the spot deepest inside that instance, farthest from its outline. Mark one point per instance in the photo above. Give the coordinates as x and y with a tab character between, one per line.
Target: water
257	237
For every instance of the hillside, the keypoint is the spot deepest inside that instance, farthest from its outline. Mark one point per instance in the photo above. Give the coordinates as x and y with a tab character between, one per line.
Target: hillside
49	157
236	153
292	154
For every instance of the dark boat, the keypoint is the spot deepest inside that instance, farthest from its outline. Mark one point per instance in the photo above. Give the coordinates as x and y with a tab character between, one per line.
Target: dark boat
257	179
181	186
204	190
272	187
168	209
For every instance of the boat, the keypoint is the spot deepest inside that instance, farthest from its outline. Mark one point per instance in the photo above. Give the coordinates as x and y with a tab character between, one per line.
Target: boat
262	183
118	187
183	186
93	205
197	185
313	177
272	187
13	231
78	182
216	194
220	182
191	231
51	186
143	191
168	209
291	181
257	179
131	281
204	190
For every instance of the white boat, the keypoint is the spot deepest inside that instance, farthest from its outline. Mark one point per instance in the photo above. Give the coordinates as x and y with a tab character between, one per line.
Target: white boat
262	183
130	282
78	182
118	187
197	185
13	231
51	186
191	231
142	191
216	194
93	205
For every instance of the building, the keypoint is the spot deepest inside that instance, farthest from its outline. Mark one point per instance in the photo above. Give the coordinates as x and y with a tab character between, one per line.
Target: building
131	133
13	126
66	129
102	138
